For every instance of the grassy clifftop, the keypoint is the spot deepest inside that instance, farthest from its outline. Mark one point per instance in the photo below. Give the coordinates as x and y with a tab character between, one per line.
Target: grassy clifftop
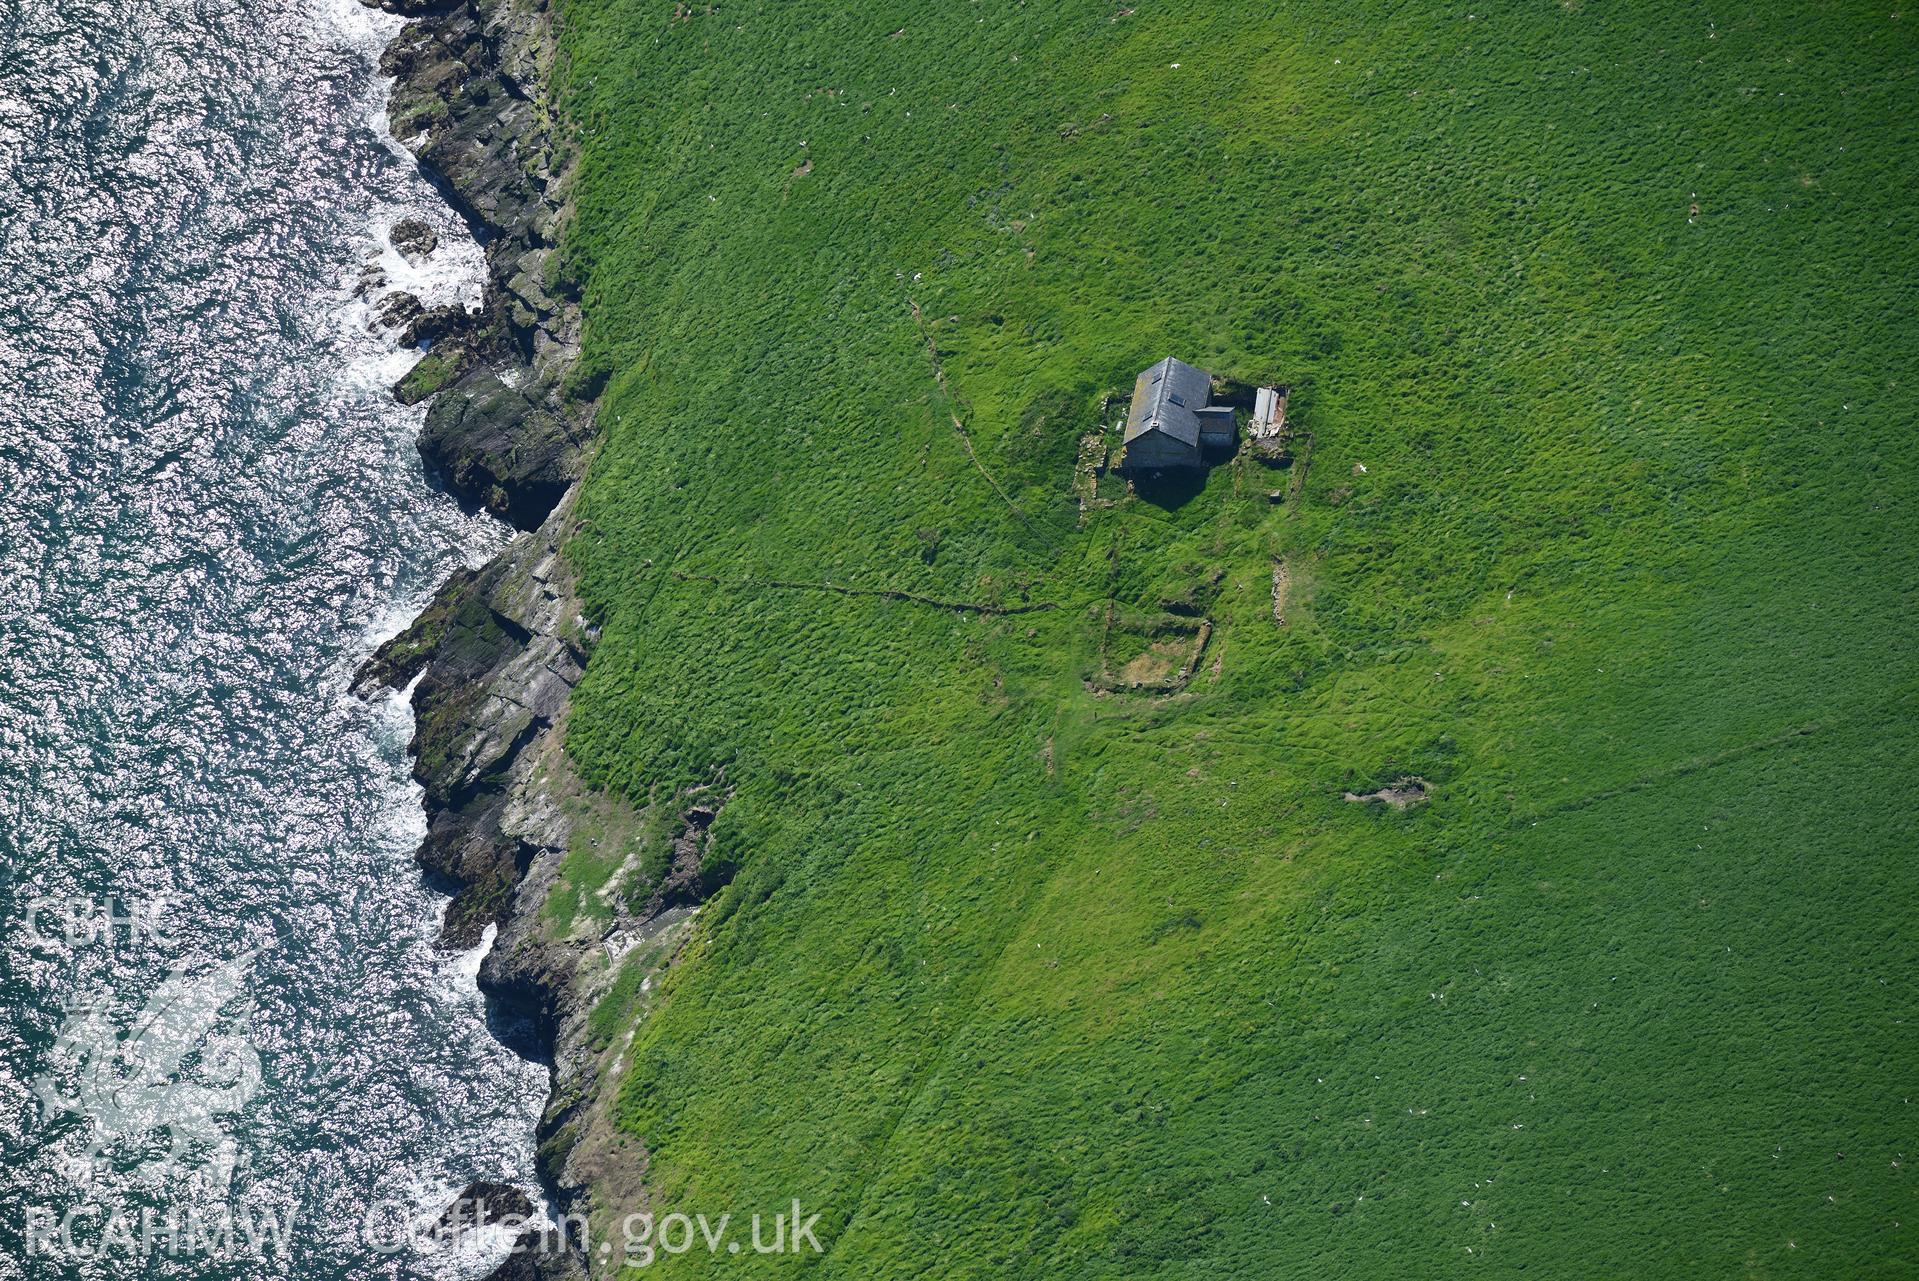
1600	318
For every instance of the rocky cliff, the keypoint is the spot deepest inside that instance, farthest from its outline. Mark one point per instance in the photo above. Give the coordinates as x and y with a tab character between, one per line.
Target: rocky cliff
499	649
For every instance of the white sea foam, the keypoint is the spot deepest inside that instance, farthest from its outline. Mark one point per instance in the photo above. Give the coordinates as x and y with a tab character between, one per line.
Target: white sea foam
463	970
359	27
454	273
391	619
469	1252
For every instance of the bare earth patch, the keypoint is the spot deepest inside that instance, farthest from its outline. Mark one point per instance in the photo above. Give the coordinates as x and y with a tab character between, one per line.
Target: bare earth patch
1400	793
1160	664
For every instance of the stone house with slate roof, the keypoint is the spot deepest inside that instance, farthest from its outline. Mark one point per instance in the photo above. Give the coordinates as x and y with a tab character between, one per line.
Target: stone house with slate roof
1171	427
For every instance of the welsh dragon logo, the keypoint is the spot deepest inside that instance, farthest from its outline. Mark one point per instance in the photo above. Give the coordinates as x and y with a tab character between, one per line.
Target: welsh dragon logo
178	1065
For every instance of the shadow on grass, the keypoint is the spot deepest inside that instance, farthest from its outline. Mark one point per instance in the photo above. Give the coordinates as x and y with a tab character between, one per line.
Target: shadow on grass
1170	490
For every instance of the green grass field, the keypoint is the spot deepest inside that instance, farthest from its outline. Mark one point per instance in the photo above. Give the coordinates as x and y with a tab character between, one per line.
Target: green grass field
1022	978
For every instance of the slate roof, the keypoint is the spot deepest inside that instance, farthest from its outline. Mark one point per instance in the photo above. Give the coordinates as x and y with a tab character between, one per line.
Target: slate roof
1166	399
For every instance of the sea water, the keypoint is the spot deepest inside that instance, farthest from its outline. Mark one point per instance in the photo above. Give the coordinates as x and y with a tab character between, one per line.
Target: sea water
221	1003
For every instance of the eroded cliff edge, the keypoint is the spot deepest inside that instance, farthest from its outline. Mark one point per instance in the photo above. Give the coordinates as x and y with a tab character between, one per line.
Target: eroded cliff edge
494	658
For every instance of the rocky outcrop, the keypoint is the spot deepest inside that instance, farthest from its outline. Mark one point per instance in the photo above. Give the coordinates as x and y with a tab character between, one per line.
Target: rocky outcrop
497	446
496	654
482	1204
414	237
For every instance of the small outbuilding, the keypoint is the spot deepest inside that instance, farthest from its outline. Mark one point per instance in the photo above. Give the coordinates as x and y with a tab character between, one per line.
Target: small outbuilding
1172	426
